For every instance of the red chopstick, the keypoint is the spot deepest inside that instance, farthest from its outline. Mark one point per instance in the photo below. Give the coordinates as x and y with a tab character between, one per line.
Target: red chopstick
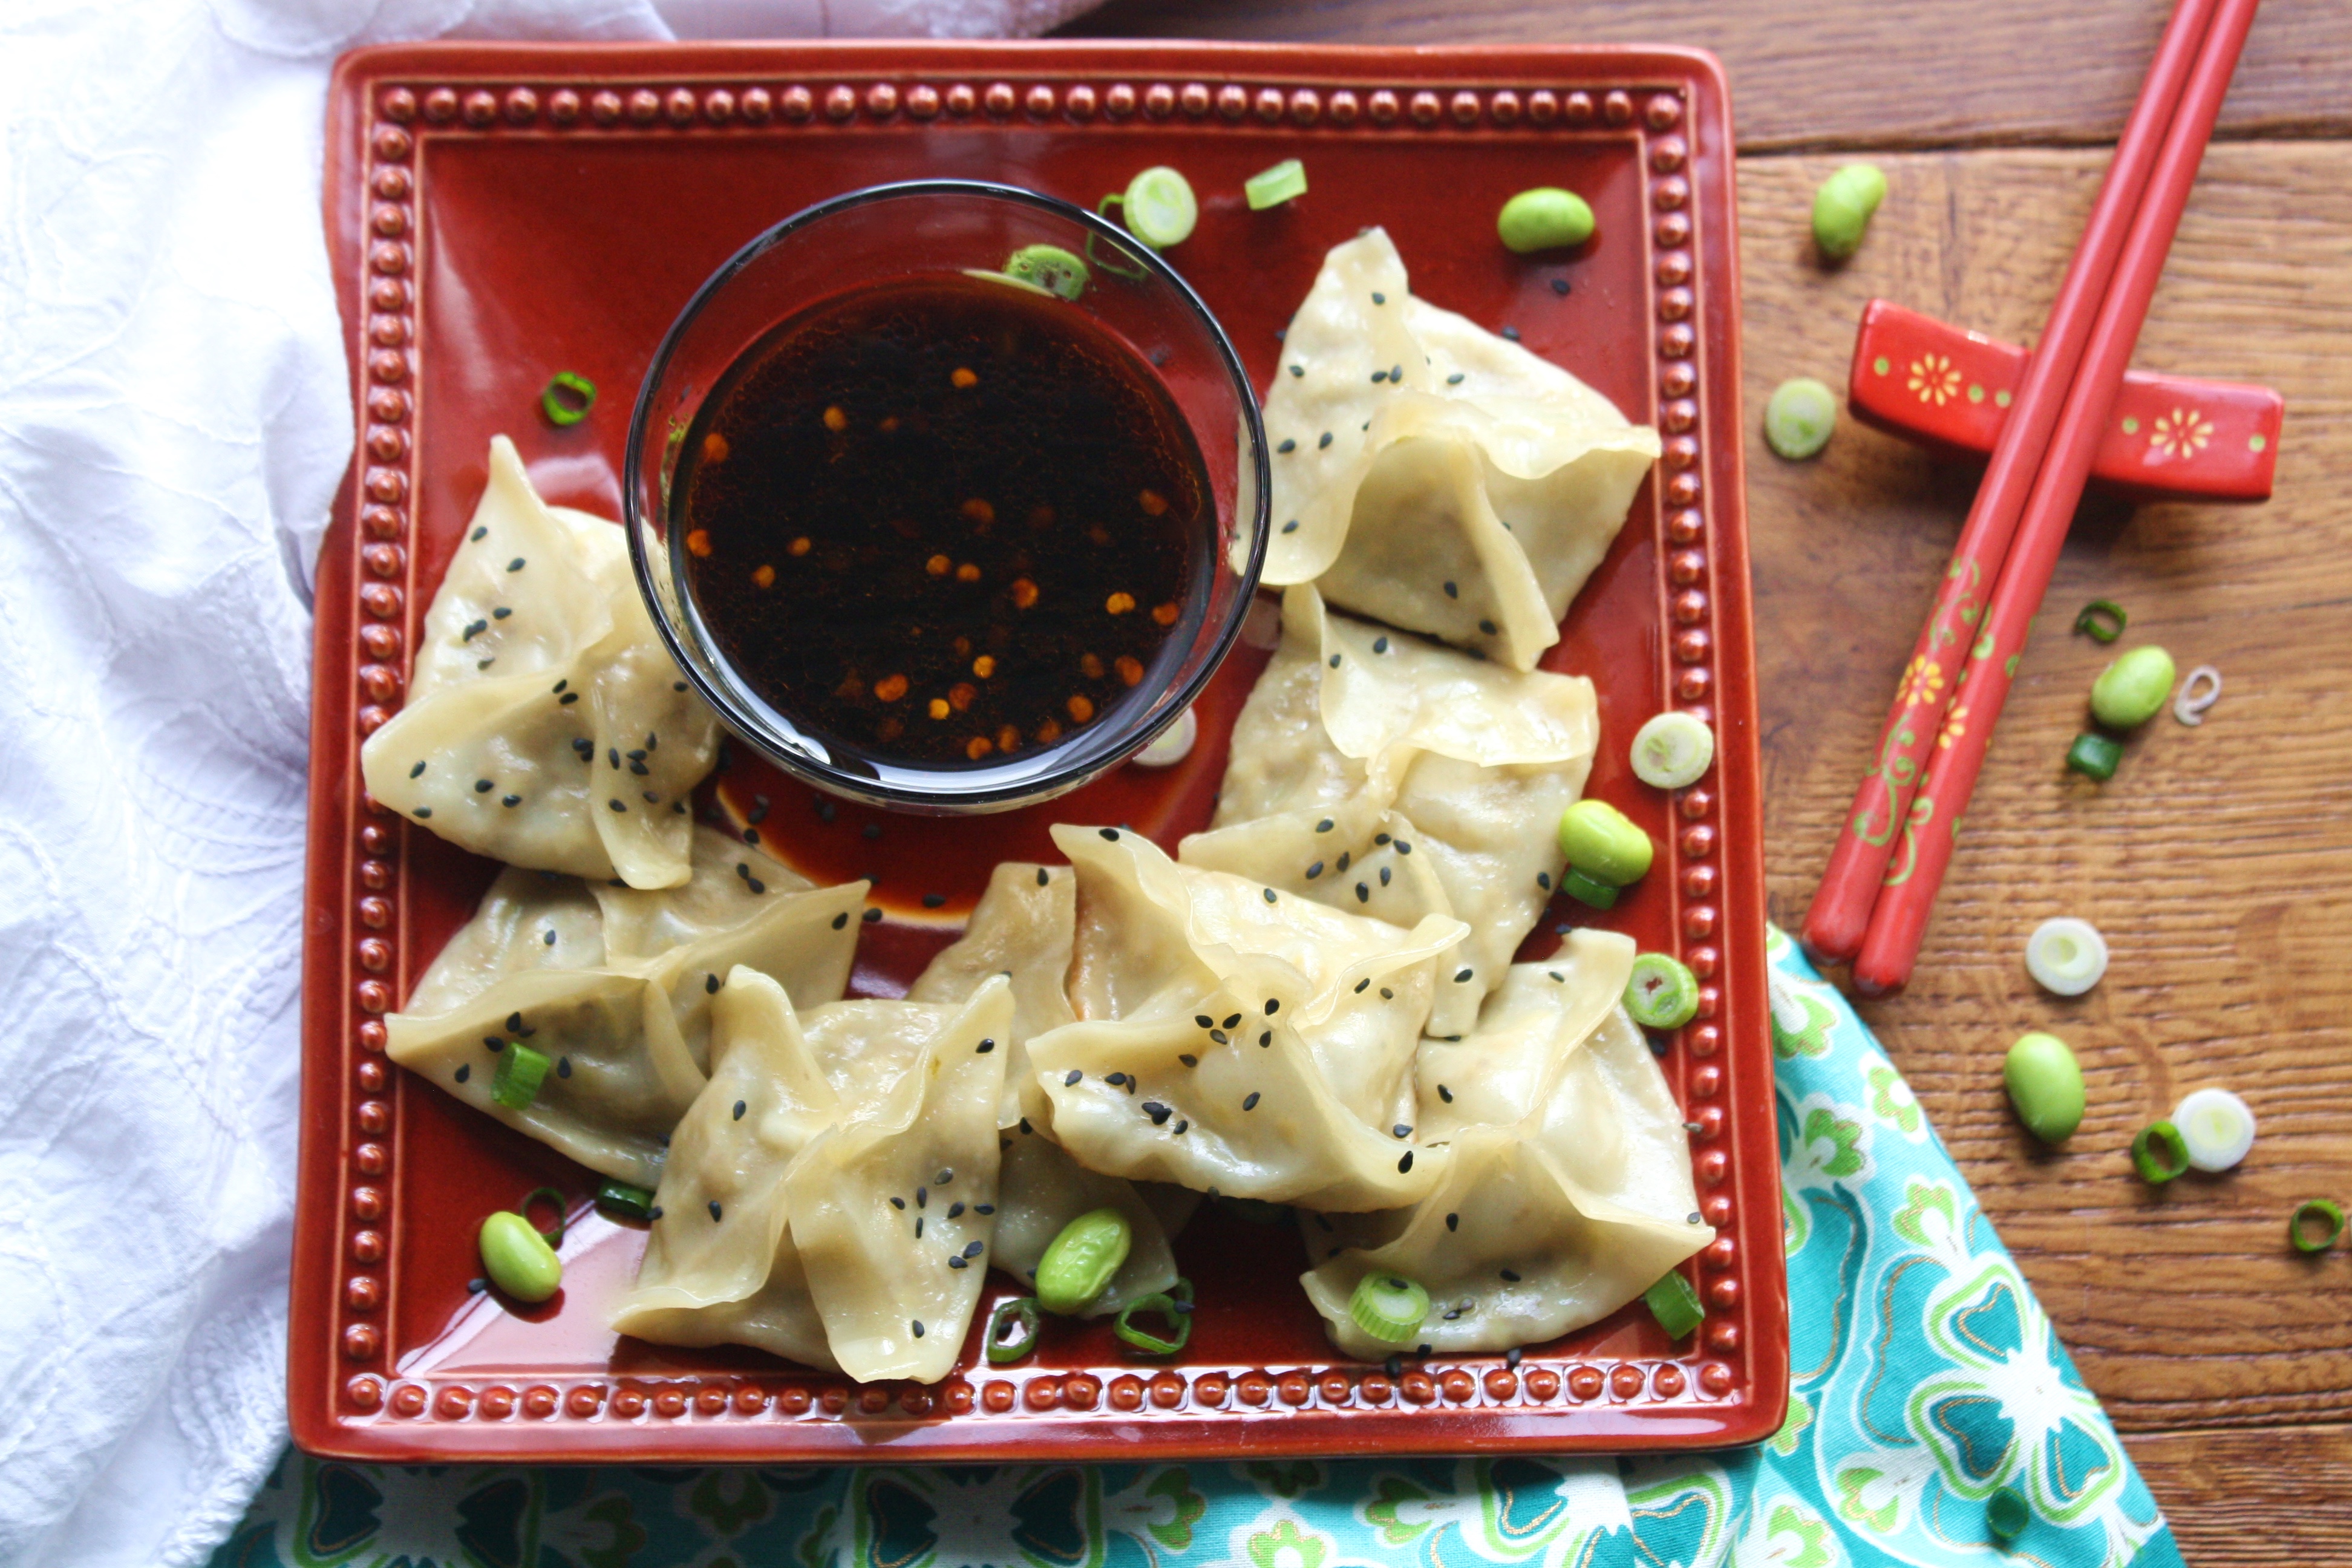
1891	943
1840	914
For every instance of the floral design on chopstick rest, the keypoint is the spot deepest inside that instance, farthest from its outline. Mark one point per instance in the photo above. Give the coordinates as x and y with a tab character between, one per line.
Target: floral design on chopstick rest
2183	433
1935	378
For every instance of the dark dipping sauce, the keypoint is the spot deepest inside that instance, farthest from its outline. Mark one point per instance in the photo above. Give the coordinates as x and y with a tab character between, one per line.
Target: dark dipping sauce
944	522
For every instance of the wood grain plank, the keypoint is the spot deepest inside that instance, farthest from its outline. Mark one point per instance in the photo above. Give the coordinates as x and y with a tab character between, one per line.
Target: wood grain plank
2253	1498
1881	73
2218	862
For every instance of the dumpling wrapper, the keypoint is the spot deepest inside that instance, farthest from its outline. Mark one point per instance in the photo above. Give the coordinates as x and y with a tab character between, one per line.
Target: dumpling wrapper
1471	509
1586	1199
1201	990
812	1126
515	665
620	1000
1403	781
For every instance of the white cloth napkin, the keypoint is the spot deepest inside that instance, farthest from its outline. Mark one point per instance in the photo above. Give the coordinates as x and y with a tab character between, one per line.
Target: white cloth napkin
175	416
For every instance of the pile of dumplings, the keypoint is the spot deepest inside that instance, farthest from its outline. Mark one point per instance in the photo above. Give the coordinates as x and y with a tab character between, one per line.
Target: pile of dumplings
1312	1004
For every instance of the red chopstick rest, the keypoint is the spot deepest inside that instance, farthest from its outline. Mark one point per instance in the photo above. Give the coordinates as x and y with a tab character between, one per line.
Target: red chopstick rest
2169	437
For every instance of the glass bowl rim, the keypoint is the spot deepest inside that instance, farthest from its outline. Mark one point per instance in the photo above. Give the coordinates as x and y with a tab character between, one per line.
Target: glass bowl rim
826	775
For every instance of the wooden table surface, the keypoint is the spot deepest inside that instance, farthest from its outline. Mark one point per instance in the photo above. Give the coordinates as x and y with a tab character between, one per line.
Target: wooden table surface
2218	861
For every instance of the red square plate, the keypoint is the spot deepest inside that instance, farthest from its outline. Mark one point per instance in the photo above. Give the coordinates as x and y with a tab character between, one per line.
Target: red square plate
497	213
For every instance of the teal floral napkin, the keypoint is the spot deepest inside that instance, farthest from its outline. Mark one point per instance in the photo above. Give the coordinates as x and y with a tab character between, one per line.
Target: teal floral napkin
1927	1377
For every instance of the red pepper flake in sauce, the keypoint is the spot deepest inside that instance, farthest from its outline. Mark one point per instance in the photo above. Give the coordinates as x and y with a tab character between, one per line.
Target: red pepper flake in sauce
1000	408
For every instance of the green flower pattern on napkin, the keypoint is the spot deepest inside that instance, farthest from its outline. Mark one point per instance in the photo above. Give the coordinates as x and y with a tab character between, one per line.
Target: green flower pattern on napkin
1926	1377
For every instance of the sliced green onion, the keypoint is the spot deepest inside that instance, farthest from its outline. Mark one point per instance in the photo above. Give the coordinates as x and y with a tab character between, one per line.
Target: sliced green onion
1287	180
1675	1304
2131	690
521	1072
1586	889
554	1201
2216	1128
621	1198
2007	1514
1050	267
1799	418
1663	992
2198	692
2095	755
1175	1308
2065	955
2315	1225
1012	1331
2159	1154
1079	1262
1159	208
1602	843
567	399
1672	750
1117	265
1389	1306
2102	620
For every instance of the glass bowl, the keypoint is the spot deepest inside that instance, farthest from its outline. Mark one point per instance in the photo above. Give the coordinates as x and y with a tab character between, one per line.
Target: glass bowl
934	228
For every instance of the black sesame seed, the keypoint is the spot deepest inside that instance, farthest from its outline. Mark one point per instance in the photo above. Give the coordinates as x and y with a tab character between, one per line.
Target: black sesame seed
494	1043
1693	1218
474	629
1157	1112
1362	985
586	748
1265	1039
871	916
1324	441
1395	1367
1220	1036
756	885
1335	661
1250	1103
1445	1094
616	805
483	787
1403	848
501	614
1042	877
1233	1021
464	1073
1380	839
416	771
991	1208
841	919
1452	1313
1273	1006
1512	333
1487	627
1363	894
1189	1059
1269	895
898	1203
1110	835
677	686
422	812
1511	1275
1543	880
1071	1079
511	800
549	938
1384	876
955	1210
740	1107
1454	1222
1453	380
1460	976
1287	445
1453	591
982	1048
1204	1021
711	984
1406	1164
919	1328
1379	376
715	1210
923	1196
1379	298
973	1248
934	901
944	1177
564	1066
957	1263
478	535
1290	527
1298	370
1396	373
1402	1130
1181	1128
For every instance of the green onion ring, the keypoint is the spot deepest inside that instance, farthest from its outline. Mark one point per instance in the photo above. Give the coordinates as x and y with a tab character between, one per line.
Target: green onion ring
2159	1153
1174	1306
2095	756
1588	890
560	410
554	1201
1660	992
1116	267
2094	621
521	1071
1287	180
1389	1306
1675	1304
621	1198
2298	1226
1022	1311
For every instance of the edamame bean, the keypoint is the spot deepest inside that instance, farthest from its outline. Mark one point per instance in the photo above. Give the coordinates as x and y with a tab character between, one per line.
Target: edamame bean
1799	417
1842	208
1602	843
517	1259
2131	690
2045	1085
1545	218
1077	1267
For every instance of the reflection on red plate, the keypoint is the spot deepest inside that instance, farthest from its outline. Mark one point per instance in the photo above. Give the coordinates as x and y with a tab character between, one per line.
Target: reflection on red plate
500	212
